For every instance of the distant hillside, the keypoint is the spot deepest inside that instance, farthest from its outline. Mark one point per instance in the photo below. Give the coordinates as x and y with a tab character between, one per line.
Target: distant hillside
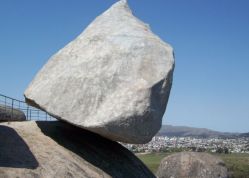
183	131
244	135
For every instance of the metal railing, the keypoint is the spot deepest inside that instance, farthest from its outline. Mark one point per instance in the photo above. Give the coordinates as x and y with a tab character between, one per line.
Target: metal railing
30	112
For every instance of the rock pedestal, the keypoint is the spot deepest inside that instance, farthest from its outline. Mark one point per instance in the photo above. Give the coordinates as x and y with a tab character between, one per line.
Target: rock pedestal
55	149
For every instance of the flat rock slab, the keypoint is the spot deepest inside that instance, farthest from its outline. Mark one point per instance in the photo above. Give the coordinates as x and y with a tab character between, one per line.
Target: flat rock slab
192	165
114	79
59	150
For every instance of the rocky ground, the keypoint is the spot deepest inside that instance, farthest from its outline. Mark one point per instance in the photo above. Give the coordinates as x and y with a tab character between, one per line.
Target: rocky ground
56	149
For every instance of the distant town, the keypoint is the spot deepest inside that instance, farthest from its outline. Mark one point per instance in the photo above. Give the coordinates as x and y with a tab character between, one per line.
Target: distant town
175	144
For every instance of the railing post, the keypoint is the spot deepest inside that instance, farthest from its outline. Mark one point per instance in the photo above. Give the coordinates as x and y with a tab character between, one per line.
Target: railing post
5	103
12	105
28	112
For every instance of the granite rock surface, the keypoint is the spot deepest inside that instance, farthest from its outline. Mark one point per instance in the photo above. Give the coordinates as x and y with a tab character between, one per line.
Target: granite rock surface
114	79
192	165
11	114
53	149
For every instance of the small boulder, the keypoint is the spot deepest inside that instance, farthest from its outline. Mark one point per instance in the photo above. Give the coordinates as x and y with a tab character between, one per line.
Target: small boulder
114	79
11	114
192	165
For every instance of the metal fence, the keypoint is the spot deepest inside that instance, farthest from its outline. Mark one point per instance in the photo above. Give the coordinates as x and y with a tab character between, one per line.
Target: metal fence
30	112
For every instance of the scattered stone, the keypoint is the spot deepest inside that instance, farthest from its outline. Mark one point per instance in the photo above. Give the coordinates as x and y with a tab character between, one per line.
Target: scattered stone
54	149
114	79
11	114
192	165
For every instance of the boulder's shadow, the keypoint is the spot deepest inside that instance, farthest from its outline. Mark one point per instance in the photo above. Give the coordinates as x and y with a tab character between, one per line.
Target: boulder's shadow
107	155
14	152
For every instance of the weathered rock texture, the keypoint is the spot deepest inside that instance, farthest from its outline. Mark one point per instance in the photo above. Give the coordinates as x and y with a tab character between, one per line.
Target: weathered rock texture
114	79
9	114
59	150
192	165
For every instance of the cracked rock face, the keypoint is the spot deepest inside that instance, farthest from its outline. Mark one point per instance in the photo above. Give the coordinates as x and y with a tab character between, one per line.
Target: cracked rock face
114	79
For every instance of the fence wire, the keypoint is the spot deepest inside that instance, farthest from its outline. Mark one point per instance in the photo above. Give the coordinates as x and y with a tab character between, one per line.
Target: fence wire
30	112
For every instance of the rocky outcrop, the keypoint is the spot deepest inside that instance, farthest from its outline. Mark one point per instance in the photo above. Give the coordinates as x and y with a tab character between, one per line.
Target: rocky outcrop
114	79
58	150
192	165
11	114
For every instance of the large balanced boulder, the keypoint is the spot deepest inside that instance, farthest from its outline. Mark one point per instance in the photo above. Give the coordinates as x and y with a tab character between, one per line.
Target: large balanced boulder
114	79
192	165
11	114
58	150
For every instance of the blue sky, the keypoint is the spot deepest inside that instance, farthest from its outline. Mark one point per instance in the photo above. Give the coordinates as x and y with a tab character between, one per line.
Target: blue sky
210	39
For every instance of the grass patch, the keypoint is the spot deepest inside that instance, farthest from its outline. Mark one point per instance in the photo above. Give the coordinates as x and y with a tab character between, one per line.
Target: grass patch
152	160
236	163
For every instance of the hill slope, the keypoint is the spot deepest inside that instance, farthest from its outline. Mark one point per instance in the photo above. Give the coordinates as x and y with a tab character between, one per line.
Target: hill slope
183	131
